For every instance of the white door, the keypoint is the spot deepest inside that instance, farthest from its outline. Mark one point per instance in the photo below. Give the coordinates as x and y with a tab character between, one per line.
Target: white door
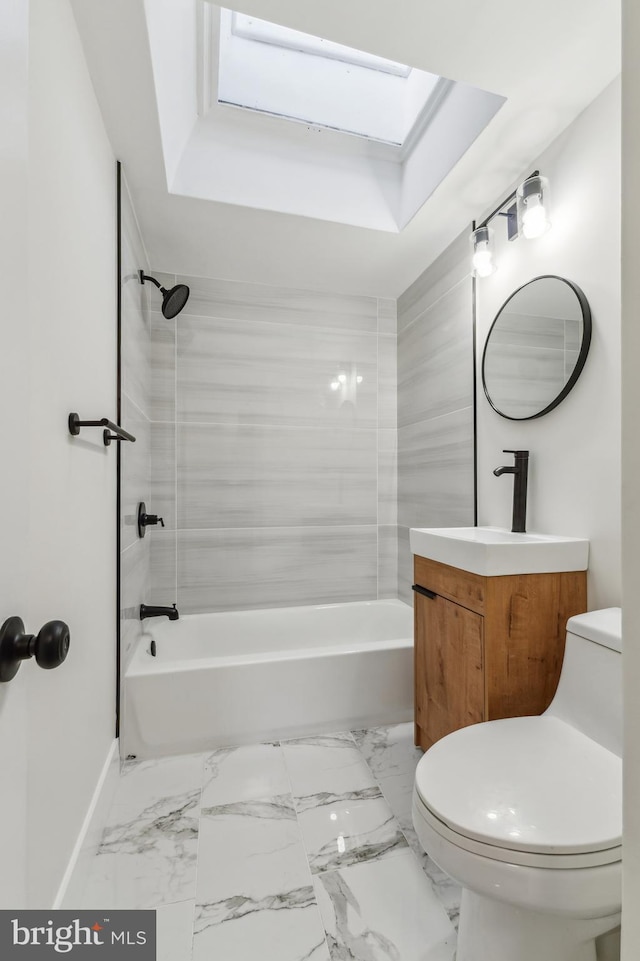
14	437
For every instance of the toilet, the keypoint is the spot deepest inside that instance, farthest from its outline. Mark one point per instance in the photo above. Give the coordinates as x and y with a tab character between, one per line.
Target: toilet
526	813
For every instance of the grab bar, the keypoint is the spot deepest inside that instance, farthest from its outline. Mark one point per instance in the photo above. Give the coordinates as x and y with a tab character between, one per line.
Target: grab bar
119	433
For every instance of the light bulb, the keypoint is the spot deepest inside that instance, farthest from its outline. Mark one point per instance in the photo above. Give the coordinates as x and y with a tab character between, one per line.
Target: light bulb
342	378
359	379
335	385
534	219
483	264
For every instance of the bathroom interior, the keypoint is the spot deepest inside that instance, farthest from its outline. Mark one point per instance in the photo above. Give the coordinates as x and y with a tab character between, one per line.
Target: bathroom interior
294	512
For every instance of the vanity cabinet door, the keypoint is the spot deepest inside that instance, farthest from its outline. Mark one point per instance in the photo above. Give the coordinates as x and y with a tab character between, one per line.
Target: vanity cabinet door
449	668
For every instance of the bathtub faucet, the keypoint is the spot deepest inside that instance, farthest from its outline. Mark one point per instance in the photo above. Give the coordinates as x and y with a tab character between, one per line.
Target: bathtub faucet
170	612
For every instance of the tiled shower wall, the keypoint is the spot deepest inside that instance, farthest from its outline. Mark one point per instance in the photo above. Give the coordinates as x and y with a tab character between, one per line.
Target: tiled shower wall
435	402
273	448
135	477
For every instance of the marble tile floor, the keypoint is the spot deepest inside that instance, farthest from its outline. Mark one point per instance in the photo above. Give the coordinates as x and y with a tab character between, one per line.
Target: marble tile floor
300	850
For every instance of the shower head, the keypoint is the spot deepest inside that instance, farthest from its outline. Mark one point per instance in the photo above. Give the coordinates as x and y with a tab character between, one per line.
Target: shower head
173	300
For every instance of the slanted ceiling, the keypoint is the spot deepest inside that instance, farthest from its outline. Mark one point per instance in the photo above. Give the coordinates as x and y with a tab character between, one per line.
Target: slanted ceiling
547	71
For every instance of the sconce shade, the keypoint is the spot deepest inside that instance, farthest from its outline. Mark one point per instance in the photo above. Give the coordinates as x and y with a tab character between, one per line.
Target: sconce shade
532	199
482	260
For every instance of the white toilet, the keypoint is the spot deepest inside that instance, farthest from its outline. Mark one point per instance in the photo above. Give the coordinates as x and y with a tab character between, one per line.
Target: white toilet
526	813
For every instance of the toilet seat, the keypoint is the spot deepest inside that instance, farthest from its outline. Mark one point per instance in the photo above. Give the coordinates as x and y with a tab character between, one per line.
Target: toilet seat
527	790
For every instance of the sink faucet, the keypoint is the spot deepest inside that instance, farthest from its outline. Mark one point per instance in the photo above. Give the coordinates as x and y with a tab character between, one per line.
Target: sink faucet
520	472
170	612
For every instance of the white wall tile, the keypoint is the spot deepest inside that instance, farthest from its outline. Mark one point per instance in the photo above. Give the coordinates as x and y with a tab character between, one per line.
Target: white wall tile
236	476
254	373
275	567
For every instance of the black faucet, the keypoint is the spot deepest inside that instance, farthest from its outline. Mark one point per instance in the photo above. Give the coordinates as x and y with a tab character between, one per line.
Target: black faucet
520	471
170	612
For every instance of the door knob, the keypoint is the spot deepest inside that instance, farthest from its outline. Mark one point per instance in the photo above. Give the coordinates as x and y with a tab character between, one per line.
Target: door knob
50	647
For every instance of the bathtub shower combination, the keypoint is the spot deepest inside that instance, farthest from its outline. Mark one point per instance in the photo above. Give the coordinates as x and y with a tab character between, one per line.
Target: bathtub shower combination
244	676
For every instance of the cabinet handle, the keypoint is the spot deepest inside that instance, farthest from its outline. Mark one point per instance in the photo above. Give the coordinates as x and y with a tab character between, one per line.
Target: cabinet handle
423	591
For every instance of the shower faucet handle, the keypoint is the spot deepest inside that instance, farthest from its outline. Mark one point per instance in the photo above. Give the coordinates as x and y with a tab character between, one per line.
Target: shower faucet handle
146	520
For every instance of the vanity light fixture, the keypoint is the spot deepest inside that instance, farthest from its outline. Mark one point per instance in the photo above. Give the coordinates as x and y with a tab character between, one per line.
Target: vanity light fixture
482	260
532	199
526	211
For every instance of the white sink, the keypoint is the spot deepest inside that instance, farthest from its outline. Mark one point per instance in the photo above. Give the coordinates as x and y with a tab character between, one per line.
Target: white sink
492	551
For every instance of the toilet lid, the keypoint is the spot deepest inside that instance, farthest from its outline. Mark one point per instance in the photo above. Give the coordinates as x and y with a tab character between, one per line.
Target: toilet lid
528	783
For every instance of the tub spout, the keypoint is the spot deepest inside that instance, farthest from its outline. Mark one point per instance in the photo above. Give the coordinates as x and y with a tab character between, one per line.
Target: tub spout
170	612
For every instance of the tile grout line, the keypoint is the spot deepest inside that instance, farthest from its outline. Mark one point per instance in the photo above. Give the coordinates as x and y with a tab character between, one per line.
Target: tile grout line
281	744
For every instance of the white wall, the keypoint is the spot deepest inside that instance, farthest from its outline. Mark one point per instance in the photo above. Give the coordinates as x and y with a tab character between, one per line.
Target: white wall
631	474
574	477
14	388
72	481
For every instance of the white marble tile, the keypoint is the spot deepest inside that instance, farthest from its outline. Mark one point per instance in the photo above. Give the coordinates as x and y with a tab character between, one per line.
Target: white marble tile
145	784
174	931
249	851
384	911
389	750
244	773
329	763
244	476
448	892
272	928
148	859
283	565
348	829
392	756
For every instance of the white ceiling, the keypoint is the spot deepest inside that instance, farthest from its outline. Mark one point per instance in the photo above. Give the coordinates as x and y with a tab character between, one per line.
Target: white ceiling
550	60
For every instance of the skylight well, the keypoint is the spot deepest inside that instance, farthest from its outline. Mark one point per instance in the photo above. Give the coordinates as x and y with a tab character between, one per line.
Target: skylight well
276	70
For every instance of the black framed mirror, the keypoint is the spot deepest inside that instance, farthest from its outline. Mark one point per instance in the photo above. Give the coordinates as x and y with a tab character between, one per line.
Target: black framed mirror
536	348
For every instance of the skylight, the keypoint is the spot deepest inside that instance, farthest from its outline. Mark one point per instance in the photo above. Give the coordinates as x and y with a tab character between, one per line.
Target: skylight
275	70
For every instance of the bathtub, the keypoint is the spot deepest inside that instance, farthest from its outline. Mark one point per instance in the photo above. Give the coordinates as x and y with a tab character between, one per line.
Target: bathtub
245	676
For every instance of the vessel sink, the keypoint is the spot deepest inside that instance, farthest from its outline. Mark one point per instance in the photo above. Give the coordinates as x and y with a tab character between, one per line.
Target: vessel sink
492	551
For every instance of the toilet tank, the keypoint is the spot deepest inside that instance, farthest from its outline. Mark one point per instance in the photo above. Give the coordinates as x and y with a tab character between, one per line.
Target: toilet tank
589	695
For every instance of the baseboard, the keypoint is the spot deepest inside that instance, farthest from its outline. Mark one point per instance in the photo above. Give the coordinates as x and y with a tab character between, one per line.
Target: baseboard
73	882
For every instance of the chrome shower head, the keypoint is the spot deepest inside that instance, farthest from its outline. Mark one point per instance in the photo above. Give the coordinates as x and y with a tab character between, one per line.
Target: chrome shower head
173	300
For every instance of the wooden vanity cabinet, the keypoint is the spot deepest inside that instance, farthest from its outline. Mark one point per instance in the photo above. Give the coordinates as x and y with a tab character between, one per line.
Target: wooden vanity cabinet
487	647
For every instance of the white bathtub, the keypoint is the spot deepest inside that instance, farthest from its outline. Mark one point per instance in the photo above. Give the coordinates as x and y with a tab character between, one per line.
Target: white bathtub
247	676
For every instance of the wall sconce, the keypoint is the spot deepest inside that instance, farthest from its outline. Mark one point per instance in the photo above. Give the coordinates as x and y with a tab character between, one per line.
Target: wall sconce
532	199
482	259
526	211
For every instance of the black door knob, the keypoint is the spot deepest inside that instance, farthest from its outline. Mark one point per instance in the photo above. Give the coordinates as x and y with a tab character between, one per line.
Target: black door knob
50	647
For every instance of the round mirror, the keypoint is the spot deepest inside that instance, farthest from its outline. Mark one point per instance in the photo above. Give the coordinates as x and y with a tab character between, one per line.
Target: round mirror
536	348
